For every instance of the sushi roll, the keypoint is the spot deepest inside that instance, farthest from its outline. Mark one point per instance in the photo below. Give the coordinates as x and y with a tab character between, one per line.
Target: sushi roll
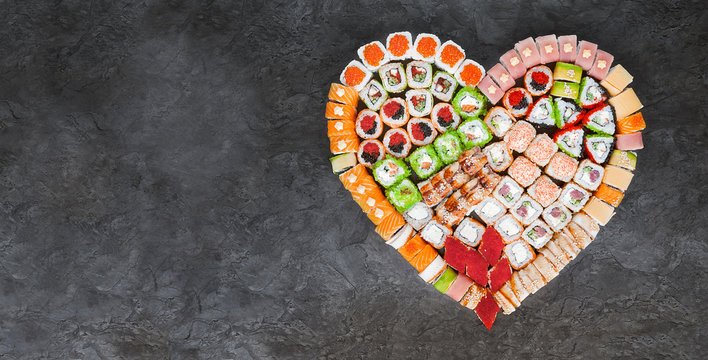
373	55
403	195
511	60
334	111
568	46
631	124
502	77
355	75
601	120
598	147
617	80
472	160
445	280
631	141
562	167
599	211
591	93
425	47
624	159
529	52
455	175
469	231
340	128
509	228
498	156
567	72
370	152
421	131
626	103
469	73
443	86
399	45
434	190
393	77
449	56
459	288
541	150
343	94
397	143
520	136
519	254
589	175
469	102
568	113
507	192
557	216
548	48
444	117
609	195
394	112
343	144
474	132
524	171
518	101
617	177
368	124
543	112
419	74
570	140
435	233
373	95
493	92
538	80
586	54
601	66
544	191
448	147
401	237
419	101
526	210
574	197
390	225
433	269
587	223
343	162
418	215
499	121
490	210
491	246
390	171
565	89
537	234
425	162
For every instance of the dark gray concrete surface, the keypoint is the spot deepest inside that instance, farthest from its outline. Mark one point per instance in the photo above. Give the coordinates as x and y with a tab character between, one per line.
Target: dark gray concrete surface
165	190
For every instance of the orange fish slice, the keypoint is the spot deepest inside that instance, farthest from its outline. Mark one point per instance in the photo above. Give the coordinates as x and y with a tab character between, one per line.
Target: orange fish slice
631	123
609	195
351	177
412	247
341	128
340	111
380	211
390	225
367	195
424	258
343	144
343	94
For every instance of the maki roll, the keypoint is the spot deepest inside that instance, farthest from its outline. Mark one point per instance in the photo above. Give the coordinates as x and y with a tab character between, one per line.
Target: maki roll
598	147
445	280
591	93
419	101
548	47
334	111
567	72
355	75
526	210
390	171
469	73
574	197
568	46
498	156
512	63
565	90
449	56
435	233
421	131
509	228
373	95
368	124
599	211
469	231
424	161
340	128
538	80
517	101
419	74
418	215
469	102
343	94
373	55
609	195
394	112
499	121
502	77
626	103
586	54
403	195
519	254
370	152
541	150
520	136
507	191
399	45
393	78
631	124
617	80
589	175
490	210
529	52
542	112
474	132
493	92
601	120
448	147
397	143
624	159
544	190
617	177
444	117
537	234
601	66
343	162
343	144
443	86
557	216
568	113
524	171
562	167
425	47
570	140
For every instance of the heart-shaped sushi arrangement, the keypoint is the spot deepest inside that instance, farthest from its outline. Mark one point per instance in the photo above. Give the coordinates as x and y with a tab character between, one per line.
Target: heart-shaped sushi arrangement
488	182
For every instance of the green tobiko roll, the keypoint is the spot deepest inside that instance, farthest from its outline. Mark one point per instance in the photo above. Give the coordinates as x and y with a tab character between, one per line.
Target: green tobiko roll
403	195
469	103
425	161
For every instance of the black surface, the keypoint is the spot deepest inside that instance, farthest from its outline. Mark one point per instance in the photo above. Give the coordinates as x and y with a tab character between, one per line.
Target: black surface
166	190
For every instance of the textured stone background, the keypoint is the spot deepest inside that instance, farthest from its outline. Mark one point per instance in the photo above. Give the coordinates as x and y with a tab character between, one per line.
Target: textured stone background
165	190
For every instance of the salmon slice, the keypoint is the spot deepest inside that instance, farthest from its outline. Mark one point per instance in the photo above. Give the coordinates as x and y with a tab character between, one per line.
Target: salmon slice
367	196
340	111
390	225
412	247
351	177
424	258
631	123
343	144
381	211
343	94
341	128
609	195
